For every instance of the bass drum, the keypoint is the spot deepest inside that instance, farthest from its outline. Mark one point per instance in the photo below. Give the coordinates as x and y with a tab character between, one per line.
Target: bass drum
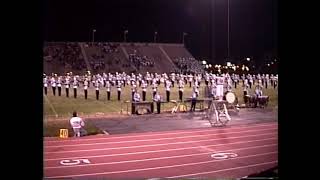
230	97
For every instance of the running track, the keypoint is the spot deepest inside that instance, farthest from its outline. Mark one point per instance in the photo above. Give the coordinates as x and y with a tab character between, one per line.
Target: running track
170	154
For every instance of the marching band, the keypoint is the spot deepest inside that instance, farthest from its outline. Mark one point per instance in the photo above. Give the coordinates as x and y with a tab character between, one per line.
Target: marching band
217	85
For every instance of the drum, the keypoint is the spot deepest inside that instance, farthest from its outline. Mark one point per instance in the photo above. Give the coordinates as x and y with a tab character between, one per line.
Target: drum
230	97
263	100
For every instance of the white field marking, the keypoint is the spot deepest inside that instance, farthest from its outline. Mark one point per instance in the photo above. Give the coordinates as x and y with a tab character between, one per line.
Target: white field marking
205	148
223	155
161	167
228	169
55	112
164	150
166	133
146	140
152	145
158	158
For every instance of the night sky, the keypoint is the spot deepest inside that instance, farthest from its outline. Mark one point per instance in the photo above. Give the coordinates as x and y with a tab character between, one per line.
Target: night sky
253	24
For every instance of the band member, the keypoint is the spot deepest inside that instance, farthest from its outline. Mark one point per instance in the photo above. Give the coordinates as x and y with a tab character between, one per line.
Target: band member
190	80
97	84
275	82
85	87
67	85
59	85
180	86
258	94
154	88
157	99
213	90
207	80
119	91
250	81
219	88
75	86
136	98
45	84
172	79
53	85
108	86
144	90
193	101
133	90
168	85
245	92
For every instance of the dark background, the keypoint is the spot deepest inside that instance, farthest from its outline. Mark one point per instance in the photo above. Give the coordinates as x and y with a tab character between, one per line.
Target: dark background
253	24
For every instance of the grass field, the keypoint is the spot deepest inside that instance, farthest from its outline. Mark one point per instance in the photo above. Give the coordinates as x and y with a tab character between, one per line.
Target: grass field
58	110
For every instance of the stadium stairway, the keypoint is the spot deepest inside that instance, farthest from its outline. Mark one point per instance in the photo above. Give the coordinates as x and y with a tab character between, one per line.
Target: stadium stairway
85	56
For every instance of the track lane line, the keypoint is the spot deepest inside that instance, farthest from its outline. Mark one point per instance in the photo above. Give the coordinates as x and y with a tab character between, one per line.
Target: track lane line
147	140
153	145
160	167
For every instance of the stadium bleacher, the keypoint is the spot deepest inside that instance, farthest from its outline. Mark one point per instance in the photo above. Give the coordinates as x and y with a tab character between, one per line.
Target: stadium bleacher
98	57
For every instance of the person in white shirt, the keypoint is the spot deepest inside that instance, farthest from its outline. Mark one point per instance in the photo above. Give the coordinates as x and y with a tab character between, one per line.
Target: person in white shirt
180	86
193	101
133	90
144	90
67	85
75	86
136	98
59	85
157	99
108	86
97	85
45	84
53	85
168	85
77	123
85	87
119	91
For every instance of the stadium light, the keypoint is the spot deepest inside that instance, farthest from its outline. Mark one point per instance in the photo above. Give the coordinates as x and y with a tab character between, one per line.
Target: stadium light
155	36
93	31
228	64
204	62
210	65
207	66
268	64
125	35
248	59
183	34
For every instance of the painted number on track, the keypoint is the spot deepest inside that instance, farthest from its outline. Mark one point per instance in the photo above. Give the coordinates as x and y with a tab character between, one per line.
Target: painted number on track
223	155
74	162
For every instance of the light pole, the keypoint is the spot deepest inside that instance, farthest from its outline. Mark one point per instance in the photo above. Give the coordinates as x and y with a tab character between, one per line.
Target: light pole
228	30
93	31
183	34
155	36
125	35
